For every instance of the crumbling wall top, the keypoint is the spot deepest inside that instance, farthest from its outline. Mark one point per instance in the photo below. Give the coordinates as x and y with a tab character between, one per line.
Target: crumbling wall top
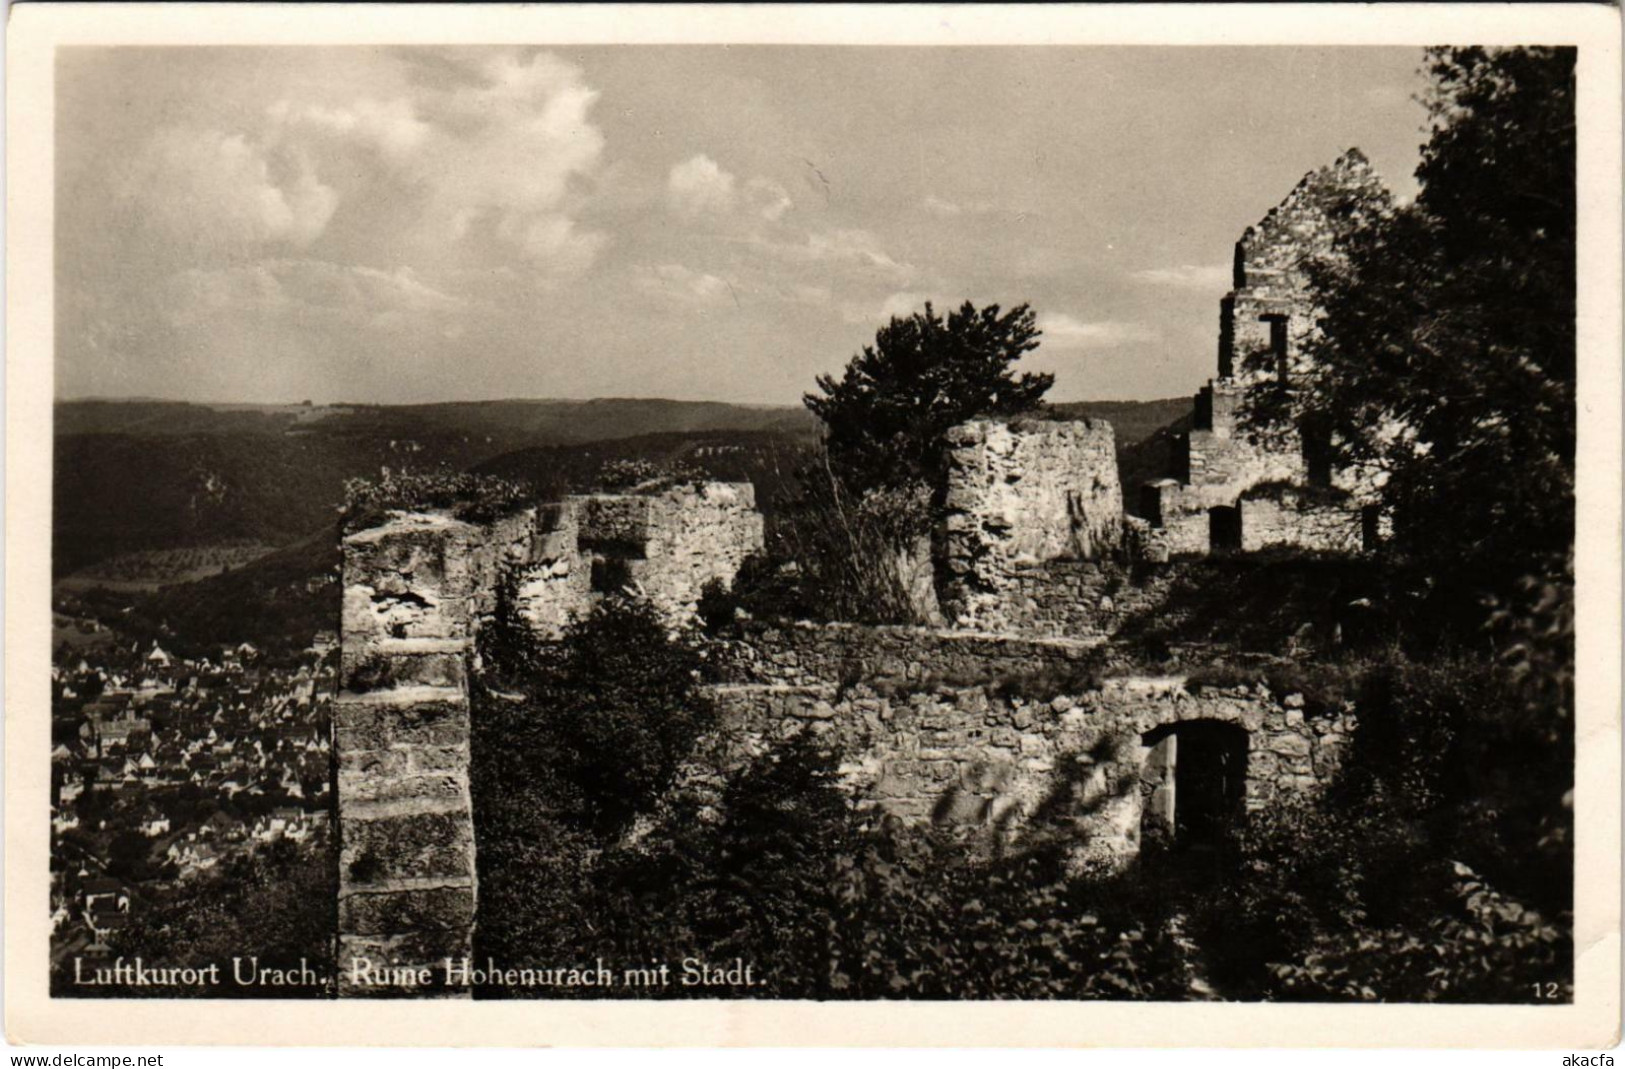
1324	203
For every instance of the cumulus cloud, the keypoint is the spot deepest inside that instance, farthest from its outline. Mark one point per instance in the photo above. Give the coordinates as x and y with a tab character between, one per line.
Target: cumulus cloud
204	188
768	199
508	148
1187	276
684	284
1062	331
898	305
698	186
855	248
499	154
391	127
553	240
305	291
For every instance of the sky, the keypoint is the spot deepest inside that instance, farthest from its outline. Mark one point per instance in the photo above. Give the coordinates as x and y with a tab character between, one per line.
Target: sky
424	224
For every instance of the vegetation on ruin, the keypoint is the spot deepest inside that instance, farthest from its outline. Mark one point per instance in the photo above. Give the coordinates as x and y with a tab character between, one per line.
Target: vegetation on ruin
1446	354
467	496
1435	868
855	510
885	417
610	710
639	475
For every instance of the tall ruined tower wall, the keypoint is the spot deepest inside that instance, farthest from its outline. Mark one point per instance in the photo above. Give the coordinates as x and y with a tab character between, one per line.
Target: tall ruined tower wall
1267	324
1271	300
415	592
1019	498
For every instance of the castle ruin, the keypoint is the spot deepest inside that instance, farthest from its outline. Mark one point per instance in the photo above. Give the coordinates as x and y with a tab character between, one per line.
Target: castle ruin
1026	567
1231	488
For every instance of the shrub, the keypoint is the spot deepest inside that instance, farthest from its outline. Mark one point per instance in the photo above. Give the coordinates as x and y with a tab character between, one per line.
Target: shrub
845	552
276	904
1051	681
612	709
645	476
771	588
717	606
467	496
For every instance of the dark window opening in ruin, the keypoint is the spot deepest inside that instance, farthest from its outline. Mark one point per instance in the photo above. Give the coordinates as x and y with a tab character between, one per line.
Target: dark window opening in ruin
1370	527
1179	466
610	574
1278	344
1227	337
1224	528
623	548
1194	783
1151	504
1317	454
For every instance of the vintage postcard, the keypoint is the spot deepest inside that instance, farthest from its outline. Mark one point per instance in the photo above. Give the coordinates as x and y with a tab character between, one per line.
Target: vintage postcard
1084	526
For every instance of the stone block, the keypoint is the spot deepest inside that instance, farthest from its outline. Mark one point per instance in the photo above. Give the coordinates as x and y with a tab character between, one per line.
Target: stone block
437	789
407	909
437	758
374	763
409	846
1289	745
419	716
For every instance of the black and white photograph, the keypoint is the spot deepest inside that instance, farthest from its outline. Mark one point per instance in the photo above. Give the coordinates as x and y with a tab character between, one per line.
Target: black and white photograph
818	522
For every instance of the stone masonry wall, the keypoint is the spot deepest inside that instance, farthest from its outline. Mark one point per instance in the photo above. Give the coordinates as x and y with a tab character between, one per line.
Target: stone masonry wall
1269	277
1267	522
414	589
1266	324
830	655
1287	518
1004	767
697	534
667	544
1018	495
415	592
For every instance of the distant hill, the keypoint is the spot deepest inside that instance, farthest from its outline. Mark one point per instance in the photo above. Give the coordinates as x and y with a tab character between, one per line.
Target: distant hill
1133	421
154	475
536	421
278	602
765	458
157	475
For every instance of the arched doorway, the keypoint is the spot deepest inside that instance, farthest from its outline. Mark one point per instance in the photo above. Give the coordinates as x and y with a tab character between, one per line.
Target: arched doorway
1195	782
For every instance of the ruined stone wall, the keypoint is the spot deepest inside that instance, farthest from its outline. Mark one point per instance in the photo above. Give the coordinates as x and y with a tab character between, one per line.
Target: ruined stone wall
1018	495
1270	280
416	590
994	765
697	534
1266	324
1289	522
667	544
557	585
1266	522
1080	599
833	655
